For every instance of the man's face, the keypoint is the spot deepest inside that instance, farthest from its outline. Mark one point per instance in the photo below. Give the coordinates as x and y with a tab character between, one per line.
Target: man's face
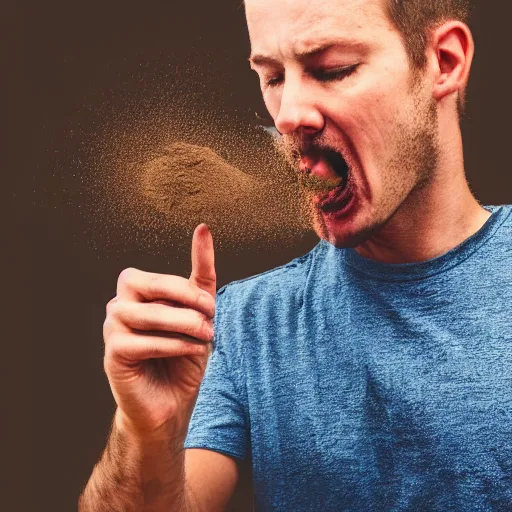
336	79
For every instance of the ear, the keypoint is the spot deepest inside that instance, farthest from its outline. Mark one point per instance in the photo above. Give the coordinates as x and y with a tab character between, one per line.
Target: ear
452	49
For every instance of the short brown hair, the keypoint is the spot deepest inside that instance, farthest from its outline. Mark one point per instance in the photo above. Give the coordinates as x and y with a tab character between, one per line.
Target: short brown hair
415	18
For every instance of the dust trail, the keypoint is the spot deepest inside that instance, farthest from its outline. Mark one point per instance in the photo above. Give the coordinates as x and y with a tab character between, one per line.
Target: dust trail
165	155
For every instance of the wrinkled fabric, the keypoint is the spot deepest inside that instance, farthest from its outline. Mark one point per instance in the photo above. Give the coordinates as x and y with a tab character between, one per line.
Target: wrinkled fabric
360	386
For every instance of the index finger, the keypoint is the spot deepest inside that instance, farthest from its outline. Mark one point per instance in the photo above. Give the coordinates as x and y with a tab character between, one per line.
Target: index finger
203	260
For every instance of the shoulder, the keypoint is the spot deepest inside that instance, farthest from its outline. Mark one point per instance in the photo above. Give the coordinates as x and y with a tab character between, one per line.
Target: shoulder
277	285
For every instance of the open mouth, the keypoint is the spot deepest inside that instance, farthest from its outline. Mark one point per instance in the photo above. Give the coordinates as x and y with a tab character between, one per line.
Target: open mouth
339	166
327	180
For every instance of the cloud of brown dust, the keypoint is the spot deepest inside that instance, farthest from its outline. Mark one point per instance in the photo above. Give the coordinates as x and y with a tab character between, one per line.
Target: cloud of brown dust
163	160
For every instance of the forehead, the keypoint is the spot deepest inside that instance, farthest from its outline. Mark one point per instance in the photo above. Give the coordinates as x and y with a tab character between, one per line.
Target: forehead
295	25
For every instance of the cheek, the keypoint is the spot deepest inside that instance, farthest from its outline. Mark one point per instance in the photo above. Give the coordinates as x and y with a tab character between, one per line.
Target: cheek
369	112
369	122
375	113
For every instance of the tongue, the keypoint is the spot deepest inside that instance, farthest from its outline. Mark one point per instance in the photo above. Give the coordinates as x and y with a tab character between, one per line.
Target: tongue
319	168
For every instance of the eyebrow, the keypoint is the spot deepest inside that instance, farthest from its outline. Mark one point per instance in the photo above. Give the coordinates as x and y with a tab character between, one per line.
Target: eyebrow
313	51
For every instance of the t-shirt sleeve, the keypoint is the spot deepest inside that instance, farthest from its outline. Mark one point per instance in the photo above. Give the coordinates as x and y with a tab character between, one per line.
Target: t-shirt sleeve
219	420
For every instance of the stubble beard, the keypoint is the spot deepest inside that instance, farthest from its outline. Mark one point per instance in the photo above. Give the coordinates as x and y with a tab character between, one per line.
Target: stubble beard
411	166
289	146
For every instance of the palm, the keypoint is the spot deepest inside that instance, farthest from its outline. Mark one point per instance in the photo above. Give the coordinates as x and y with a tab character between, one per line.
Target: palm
153	392
169	387
184	374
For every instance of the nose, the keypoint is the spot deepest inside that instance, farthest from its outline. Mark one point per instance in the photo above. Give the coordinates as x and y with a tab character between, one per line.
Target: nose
297	109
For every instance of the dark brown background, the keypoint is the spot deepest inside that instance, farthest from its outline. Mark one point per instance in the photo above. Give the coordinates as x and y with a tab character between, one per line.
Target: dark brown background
59	57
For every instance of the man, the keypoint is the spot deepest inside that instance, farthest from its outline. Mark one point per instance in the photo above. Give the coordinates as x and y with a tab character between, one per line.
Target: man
373	373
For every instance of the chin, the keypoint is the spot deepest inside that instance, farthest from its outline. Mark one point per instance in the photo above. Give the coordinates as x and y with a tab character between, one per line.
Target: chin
342	229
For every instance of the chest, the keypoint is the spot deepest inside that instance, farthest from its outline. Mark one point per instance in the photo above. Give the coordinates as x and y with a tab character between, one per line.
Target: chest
383	402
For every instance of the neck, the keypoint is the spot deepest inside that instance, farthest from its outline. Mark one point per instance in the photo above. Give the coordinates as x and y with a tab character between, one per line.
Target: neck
433	219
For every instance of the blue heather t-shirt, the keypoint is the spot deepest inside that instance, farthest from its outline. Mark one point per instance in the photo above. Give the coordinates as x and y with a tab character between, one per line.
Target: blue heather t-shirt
360	386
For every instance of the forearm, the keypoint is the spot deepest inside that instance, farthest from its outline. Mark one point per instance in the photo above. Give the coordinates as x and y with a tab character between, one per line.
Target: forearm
136	477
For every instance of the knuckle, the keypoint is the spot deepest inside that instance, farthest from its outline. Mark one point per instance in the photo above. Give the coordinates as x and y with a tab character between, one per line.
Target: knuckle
110	305
115	320
110	359
111	331
110	350
127	278
114	309
115	347
107	329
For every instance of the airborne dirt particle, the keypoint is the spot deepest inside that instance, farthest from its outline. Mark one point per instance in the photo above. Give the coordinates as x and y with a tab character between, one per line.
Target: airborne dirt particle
191	184
157	157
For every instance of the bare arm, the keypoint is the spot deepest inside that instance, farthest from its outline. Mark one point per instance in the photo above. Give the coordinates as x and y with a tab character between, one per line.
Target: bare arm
131	477
157	333
137	476
211	479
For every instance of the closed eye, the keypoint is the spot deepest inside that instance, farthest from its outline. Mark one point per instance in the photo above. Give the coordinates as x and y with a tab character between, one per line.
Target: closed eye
275	80
328	75
322	75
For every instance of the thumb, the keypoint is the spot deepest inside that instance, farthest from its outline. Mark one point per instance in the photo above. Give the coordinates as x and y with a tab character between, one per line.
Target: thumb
203	260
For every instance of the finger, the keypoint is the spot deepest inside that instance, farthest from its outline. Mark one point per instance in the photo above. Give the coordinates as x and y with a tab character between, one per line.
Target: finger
132	348
203	260
137	285
158	317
